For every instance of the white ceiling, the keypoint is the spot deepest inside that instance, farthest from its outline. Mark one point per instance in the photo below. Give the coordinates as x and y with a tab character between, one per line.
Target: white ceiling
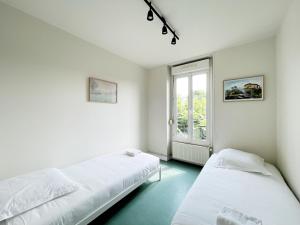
120	26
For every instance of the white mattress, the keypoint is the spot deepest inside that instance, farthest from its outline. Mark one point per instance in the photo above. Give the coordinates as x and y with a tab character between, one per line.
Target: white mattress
100	180
266	198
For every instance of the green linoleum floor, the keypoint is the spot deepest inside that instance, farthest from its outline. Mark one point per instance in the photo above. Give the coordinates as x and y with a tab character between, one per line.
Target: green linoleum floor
155	202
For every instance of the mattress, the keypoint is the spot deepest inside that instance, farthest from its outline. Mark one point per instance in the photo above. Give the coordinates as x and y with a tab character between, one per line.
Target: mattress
100	180
265	197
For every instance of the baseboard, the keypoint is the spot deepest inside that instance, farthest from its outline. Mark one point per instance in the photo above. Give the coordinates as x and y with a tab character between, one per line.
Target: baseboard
162	157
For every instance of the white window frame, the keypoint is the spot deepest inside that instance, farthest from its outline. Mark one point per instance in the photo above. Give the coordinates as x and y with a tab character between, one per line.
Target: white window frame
208	141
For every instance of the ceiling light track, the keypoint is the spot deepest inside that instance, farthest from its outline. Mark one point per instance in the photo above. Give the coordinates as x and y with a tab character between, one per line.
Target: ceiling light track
165	27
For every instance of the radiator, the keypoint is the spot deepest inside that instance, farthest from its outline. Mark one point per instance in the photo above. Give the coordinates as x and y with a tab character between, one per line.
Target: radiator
190	153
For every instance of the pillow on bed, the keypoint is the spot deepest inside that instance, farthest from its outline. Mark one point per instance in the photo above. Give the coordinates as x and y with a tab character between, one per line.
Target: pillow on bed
25	192
239	160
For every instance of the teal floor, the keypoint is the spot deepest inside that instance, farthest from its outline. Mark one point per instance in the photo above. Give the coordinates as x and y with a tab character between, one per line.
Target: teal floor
155	202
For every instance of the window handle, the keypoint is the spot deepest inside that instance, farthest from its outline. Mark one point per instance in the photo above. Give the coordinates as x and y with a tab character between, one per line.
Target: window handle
211	150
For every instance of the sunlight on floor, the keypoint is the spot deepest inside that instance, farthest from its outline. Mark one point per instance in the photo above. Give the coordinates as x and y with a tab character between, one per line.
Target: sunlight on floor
167	172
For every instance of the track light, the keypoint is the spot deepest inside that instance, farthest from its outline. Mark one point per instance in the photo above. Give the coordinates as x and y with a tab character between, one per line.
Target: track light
173	42
150	14
164	29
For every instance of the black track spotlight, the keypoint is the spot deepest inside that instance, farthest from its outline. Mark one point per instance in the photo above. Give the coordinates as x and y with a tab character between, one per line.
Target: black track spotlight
164	29
173	42
150	14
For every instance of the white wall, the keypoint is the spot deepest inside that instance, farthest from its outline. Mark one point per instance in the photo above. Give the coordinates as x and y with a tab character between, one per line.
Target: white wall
45	118
288	106
250	125
158	111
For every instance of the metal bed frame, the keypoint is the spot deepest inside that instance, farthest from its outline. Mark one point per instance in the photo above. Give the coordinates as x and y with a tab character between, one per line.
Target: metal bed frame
92	216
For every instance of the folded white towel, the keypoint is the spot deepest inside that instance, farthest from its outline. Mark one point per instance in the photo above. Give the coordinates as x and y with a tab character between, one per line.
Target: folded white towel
132	152
233	217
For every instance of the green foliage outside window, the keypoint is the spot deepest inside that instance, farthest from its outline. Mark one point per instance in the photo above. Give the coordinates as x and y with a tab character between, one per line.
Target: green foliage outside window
199	115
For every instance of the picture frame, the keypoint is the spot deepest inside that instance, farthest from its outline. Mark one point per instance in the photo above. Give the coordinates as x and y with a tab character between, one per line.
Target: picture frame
102	91
249	88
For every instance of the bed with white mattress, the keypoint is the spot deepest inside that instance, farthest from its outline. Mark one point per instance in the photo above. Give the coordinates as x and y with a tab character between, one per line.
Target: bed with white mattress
102	182
265	197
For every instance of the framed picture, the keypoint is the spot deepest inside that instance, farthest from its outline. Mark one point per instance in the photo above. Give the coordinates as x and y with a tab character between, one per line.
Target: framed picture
244	89
102	91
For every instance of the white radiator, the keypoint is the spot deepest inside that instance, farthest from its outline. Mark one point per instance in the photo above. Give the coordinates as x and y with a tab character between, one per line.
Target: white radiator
190	153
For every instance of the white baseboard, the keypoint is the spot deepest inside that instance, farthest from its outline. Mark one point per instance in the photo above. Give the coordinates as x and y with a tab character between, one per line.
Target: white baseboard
162	157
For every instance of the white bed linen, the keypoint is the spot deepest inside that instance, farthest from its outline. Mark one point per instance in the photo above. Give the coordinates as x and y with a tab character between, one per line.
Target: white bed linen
100	180
265	197
22	193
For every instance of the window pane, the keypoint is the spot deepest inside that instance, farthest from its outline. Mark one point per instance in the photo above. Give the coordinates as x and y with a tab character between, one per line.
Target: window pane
182	93
199	106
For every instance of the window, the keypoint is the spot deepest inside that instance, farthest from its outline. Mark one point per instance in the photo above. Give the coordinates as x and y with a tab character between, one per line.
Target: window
182	106
191	92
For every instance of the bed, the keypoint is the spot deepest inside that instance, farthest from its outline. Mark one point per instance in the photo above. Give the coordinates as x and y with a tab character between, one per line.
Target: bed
265	197
102	182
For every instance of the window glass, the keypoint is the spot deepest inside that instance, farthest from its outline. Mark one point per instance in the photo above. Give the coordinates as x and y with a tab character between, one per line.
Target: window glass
182	96
199	106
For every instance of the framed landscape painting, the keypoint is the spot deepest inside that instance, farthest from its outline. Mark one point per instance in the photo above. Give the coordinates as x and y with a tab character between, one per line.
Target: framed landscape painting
244	89
102	91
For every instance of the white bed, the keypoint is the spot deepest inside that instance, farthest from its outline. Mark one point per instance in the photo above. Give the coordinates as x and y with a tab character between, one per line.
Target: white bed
265	197
103	181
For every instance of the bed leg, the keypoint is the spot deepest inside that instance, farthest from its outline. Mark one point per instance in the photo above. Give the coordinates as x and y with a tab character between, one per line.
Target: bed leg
159	179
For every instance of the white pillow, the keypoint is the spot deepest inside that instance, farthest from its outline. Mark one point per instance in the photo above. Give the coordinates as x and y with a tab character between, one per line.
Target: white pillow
239	160
25	192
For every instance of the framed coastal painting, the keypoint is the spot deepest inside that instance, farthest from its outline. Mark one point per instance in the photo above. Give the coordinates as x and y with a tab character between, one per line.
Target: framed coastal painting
244	89
102	91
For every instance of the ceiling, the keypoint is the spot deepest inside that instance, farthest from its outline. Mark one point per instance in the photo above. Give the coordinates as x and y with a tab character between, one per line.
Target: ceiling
119	26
